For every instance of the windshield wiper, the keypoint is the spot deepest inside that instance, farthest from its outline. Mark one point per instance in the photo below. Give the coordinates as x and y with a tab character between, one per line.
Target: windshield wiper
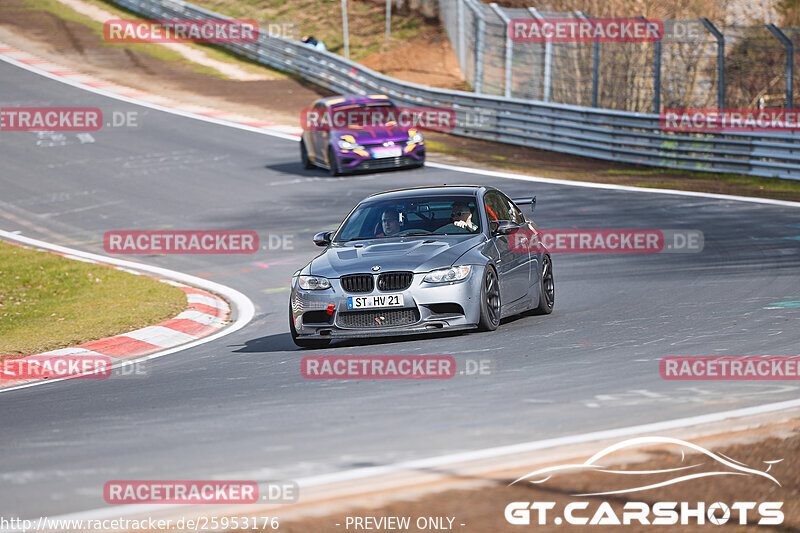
358	239
414	234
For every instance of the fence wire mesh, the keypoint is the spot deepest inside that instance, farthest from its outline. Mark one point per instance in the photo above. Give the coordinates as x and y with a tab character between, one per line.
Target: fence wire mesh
680	71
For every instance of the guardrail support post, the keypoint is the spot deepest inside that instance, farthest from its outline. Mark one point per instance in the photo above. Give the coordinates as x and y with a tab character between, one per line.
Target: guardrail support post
509	50
548	59
720	61
789	69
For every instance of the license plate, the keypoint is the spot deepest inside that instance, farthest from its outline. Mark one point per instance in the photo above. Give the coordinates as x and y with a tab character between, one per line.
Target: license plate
392	151
377	300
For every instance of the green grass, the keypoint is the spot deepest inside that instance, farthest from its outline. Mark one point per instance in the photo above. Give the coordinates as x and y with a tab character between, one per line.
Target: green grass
49	302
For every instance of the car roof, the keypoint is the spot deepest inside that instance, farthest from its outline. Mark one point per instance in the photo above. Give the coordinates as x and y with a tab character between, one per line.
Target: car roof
438	190
350	99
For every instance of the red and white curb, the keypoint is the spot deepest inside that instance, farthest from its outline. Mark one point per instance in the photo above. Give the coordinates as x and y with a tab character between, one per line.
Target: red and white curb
208	315
53	70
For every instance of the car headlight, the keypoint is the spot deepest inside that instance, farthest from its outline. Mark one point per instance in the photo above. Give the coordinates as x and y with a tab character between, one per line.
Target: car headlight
347	145
314	283
443	275
415	138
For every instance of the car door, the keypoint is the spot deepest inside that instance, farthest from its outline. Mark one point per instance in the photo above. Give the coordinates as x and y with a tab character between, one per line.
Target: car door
318	138
513	267
525	242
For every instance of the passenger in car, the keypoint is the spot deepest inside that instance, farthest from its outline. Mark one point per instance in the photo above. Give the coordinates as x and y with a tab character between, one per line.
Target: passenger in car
461	220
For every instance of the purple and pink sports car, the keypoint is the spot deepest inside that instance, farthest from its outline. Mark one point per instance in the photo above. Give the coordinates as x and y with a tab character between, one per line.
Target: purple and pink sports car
345	134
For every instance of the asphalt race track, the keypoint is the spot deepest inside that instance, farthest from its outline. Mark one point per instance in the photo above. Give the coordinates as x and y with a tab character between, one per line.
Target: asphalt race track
238	408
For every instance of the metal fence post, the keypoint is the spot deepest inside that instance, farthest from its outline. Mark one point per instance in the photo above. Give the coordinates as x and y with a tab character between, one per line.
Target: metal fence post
508	47
479	44
657	77
595	61
720	61
462	58
345	31
548	59
789	69
388	19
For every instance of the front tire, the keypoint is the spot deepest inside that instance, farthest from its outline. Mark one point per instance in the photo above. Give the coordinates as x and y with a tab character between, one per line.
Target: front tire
490	301
303	342
304	156
547	288
333	163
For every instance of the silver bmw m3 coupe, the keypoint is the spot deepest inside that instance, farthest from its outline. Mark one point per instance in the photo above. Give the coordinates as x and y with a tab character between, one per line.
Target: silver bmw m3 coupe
422	260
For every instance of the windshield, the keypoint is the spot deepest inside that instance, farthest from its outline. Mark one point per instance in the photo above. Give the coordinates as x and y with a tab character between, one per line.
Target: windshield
424	215
380	105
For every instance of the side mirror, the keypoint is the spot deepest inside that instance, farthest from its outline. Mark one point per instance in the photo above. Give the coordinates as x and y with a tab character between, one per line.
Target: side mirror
504	227
323	238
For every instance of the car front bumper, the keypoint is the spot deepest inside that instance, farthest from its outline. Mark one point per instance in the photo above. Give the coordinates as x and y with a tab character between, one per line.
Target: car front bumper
428	308
412	154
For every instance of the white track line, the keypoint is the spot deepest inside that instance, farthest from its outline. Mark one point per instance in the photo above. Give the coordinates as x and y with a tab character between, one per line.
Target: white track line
466	170
241	304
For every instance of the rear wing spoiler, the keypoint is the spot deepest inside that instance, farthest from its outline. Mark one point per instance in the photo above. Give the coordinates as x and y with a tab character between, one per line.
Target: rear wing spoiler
523	201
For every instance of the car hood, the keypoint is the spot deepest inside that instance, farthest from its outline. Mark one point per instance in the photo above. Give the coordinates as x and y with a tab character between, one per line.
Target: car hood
374	135
417	254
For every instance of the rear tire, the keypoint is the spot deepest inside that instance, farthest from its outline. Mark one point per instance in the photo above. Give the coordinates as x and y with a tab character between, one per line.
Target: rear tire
490	301
304	342
547	289
333	163
304	156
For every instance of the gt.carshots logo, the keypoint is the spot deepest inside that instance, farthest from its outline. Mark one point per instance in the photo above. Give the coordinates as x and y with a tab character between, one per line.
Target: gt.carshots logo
703	463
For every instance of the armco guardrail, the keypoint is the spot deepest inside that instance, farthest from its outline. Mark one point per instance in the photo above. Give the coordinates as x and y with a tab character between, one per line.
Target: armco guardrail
605	134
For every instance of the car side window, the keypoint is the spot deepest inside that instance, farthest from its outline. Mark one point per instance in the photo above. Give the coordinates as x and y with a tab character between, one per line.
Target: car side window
496	208
515	213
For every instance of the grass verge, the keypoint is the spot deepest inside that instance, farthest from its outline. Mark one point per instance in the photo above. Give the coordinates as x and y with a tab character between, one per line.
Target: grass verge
49	302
